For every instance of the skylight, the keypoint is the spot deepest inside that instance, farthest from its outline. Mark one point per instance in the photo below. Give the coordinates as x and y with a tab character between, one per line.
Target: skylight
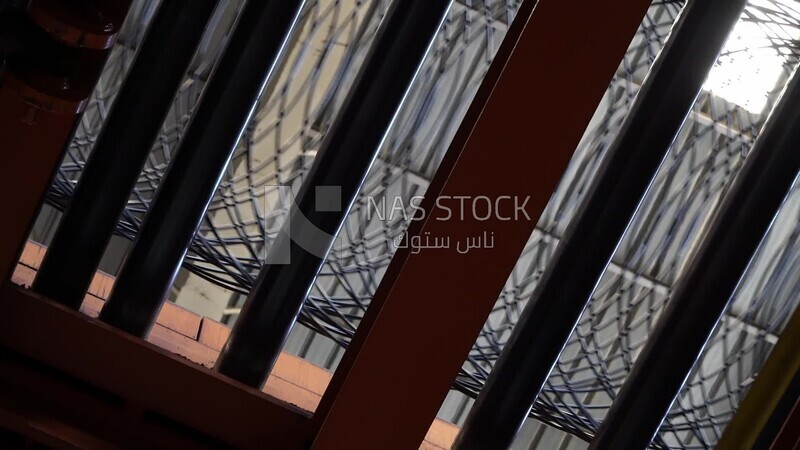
751	62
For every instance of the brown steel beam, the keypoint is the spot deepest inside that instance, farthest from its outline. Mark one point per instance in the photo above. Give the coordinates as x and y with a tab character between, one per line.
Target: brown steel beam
516	140
788	437
53	56
156	384
27	163
198	339
46	407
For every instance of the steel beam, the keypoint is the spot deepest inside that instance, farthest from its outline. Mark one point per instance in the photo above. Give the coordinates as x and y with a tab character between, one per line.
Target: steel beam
702	294
782	430
787	436
517	137
330	188
659	110
50	60
144	384
121	150
196	170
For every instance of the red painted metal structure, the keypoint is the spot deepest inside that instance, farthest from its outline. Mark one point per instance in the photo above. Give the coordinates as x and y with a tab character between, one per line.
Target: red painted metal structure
788	437
57	361
516	102
55	54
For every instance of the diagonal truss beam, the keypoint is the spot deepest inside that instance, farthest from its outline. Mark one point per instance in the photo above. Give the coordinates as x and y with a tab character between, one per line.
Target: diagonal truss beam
616	190
703	293
532	109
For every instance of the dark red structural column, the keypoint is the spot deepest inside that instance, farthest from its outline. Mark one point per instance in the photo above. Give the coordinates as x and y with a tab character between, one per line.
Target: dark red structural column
789	435
516	140
27	160
51	56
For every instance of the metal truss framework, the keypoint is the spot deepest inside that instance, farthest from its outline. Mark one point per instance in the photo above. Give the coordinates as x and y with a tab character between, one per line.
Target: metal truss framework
649	260
60	344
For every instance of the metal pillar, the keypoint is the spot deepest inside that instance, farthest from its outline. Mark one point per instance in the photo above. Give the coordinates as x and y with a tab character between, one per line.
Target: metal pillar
330	189
516	100
121	150
664	101
196	170
702	294
51	55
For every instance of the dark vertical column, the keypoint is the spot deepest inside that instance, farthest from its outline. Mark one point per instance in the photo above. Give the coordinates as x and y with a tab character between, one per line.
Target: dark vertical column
703	292
664	101
329	190
196	170
121	150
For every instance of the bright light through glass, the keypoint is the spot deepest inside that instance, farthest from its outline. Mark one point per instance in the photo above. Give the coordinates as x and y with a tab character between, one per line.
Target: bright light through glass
751	64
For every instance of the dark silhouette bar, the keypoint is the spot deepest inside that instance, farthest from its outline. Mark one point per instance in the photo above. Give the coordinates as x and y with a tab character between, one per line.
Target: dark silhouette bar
702	294
664	101
121	150
195	172
332	185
